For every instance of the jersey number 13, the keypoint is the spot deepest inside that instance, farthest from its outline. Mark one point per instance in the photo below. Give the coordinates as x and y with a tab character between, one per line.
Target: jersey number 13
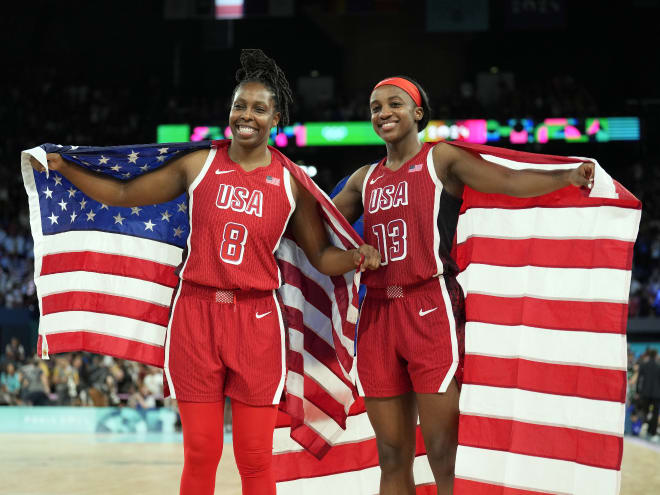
392	240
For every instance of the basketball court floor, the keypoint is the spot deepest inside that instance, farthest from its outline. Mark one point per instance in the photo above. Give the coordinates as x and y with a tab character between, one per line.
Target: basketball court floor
150	464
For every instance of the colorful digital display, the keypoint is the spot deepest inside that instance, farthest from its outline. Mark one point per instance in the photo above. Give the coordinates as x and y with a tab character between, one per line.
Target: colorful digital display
521	131
513	131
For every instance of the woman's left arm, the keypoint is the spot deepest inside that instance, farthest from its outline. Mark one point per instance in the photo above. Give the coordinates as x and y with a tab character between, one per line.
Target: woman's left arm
492	178
310	234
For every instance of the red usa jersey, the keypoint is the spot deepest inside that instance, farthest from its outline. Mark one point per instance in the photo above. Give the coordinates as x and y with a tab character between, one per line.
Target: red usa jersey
412	220
237	219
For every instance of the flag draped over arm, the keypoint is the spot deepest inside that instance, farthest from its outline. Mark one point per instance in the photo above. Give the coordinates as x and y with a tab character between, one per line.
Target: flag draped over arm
105	277
546	281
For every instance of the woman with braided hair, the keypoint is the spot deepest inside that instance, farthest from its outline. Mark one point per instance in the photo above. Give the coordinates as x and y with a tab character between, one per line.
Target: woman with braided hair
226	334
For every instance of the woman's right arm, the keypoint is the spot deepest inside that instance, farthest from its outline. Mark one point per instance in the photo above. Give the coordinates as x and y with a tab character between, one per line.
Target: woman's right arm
163	184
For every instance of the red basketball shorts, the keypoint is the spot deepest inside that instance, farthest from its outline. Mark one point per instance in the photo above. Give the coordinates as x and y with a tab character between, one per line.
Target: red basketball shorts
411	338
225	343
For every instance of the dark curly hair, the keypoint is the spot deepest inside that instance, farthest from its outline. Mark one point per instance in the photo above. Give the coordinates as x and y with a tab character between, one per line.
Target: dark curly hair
257	67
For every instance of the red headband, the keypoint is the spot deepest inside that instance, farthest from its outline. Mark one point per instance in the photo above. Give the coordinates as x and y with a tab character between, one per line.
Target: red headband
405	85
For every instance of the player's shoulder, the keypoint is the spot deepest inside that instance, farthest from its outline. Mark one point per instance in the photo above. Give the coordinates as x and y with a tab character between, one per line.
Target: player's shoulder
357	179
196	156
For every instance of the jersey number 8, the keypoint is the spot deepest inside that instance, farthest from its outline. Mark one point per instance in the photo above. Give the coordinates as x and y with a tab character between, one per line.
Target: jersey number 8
233	240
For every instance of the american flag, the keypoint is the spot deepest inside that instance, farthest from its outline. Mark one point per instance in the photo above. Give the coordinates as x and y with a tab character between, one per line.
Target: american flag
546	281
415	168
105	275
273	180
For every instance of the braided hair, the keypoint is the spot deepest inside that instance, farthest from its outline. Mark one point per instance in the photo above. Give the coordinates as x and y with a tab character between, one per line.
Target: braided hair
257	67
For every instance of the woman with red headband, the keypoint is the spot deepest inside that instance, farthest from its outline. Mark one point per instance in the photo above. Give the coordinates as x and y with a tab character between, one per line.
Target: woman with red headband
410	335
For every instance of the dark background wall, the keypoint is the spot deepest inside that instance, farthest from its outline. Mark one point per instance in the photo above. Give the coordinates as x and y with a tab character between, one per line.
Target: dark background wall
101	73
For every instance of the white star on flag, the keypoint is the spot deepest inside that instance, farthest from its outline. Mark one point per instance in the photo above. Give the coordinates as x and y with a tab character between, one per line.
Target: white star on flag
144	168
126	175
119	219
132	158
115	168
166	216
48	193
182	207
62	204
72	192
73	216
58	180
83	203
135	210
162	150
160	158
104	207
178	231
53	218
149	226
90	216
103	160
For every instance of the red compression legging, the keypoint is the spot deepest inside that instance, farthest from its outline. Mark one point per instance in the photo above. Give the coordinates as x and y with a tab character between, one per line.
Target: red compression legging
253	428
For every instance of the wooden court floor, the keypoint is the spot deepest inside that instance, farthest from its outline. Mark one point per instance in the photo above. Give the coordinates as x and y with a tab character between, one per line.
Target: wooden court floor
54	464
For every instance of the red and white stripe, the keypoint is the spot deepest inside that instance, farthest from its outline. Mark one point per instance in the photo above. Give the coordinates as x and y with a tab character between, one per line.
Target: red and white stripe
105	293
350	467
546	282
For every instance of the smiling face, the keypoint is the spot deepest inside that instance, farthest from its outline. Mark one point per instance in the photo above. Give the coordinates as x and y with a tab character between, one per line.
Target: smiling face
394	114
252	114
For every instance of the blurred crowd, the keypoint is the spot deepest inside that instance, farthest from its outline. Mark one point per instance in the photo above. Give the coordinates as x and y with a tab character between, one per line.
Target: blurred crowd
17	289
643	402
493	96
643	180
76	379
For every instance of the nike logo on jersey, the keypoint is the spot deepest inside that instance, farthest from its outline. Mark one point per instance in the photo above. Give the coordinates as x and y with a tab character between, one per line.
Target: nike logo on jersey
374	180
261	315
424	313
218	172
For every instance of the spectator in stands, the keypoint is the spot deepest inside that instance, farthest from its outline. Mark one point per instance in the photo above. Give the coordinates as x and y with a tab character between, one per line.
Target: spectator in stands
10	385
34	385
14	351
65	380
153	380
648	387
142	399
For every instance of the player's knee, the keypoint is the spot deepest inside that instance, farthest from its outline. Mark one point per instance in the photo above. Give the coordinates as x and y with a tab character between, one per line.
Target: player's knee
395	457
202	452
254	463
441	453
